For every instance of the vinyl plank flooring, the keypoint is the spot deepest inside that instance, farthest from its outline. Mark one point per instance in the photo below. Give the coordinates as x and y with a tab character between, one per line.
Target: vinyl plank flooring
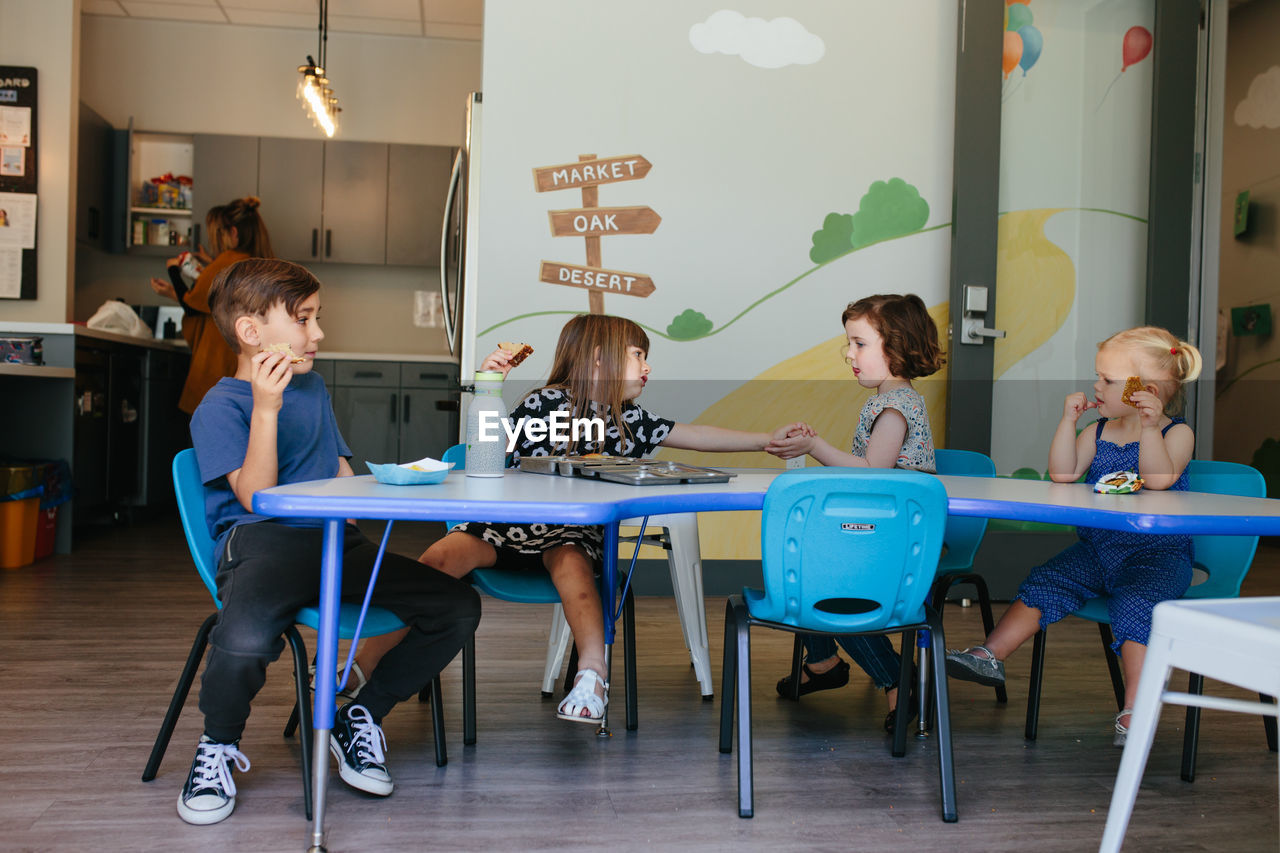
91	645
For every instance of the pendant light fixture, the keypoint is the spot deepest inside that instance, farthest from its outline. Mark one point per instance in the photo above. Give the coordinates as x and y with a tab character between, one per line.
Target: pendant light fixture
318	100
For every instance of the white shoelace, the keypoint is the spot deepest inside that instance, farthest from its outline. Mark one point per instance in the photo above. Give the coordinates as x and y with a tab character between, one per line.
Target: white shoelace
368	739
211	766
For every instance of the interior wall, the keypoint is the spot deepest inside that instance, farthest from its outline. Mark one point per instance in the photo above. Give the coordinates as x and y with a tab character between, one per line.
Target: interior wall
45	36
1248	409
207	78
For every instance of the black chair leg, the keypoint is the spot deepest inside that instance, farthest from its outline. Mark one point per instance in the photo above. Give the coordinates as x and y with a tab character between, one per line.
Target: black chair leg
179	698
303	699
1113	664
1269	723
728	678
898	746
1191	731
437	721
629	656
424	695
469	691
1033	689
746	806
797	657
572	669
942	713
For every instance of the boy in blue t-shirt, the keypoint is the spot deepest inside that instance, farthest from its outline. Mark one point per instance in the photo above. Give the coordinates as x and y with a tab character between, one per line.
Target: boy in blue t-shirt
270	425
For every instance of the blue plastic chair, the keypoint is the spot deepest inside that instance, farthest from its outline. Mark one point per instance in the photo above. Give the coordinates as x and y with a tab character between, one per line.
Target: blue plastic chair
189	490
844	551
527	587
1220	561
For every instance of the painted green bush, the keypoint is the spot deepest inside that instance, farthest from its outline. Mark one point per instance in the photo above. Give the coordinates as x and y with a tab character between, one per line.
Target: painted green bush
835	238
688	325
889	209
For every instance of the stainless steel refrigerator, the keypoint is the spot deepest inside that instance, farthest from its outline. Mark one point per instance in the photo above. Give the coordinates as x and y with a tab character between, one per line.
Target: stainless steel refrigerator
459	253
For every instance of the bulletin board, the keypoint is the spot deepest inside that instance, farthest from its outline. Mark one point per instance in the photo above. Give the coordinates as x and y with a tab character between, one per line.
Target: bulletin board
18	176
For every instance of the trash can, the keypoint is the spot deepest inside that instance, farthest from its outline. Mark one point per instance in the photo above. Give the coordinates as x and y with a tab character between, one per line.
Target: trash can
19	514
56	476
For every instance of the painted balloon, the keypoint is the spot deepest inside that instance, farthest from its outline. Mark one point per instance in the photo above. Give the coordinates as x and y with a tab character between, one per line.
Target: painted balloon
1137	44
1032	44
1012	51
1019	16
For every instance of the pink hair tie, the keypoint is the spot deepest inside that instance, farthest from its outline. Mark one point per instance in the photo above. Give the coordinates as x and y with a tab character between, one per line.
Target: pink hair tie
1173	350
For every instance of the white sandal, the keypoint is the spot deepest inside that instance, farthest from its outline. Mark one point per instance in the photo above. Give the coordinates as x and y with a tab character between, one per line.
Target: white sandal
1122	731
354	683
583	698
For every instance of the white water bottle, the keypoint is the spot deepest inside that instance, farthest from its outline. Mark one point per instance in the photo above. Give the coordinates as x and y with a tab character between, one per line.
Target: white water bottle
486	455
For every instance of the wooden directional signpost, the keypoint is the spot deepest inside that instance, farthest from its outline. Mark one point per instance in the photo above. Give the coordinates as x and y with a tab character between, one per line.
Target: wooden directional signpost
591	222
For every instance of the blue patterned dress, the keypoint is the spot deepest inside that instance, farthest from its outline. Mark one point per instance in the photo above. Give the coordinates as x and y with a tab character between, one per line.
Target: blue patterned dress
1138	570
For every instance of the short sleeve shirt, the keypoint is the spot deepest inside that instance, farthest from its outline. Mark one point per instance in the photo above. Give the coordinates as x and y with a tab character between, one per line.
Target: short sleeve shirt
917	447
647	430
308	445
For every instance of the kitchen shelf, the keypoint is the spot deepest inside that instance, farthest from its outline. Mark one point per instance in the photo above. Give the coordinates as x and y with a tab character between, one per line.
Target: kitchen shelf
37	371
175	212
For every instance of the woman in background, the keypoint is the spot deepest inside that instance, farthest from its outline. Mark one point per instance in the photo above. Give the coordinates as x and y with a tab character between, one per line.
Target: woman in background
236	232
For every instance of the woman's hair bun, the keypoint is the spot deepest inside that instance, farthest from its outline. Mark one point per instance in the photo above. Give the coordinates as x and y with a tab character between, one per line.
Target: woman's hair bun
252	202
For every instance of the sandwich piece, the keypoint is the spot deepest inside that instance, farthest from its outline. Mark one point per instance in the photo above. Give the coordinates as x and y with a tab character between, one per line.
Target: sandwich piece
1132	384
519	352
287	350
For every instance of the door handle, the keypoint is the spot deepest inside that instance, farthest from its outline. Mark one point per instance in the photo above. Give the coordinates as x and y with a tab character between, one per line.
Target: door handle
405	408
393	408
972	328
328	242
315	241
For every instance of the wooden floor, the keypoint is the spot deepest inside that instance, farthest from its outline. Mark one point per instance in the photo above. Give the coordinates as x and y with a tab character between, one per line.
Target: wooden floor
91	645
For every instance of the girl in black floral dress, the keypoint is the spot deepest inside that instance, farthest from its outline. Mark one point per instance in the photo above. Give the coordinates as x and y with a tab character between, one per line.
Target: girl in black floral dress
599	370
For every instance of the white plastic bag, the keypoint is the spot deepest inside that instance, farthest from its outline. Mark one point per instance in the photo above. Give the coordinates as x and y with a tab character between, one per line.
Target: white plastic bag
115	316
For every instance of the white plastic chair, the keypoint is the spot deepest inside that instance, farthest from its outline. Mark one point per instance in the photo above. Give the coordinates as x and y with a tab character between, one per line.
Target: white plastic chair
677	534
1236	640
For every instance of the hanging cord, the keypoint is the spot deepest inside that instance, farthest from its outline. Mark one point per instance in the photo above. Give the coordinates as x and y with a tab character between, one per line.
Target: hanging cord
364	608
626	584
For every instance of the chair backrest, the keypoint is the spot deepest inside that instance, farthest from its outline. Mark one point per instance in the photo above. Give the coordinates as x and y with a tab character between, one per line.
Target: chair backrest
963	535
1226	559
849	549
189	489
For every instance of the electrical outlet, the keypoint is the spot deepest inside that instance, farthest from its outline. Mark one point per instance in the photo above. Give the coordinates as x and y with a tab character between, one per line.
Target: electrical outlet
796	462
428	312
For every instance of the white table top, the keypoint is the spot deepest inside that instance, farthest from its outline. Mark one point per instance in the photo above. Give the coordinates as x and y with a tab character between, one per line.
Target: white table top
521	496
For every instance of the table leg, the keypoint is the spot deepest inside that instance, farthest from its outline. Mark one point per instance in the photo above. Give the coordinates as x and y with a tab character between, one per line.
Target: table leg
326	662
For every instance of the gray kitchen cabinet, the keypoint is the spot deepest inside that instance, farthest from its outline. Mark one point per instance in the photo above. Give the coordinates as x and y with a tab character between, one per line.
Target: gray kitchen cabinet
291	186
393	412
417	182
226	168
93	182
355	203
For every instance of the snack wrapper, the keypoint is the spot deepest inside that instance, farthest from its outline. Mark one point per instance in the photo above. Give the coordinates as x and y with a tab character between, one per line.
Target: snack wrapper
1118	483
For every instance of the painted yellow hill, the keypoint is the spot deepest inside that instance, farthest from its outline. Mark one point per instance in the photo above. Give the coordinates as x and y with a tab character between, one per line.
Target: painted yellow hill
1036	286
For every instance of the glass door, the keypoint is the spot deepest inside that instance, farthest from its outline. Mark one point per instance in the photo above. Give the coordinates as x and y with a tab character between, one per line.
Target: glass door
1063	148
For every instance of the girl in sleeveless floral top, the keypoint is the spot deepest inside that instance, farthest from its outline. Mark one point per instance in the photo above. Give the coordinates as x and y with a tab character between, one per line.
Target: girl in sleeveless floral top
1137	570
599	370
892	340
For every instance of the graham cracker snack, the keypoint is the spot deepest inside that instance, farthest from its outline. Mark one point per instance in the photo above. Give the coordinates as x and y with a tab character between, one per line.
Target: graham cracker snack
519	352
1133	383
287	350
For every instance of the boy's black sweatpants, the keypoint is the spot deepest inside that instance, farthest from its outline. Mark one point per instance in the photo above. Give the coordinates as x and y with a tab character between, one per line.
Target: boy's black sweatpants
269	571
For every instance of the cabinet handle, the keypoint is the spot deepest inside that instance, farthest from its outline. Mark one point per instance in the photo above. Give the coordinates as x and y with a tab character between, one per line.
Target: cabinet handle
315	241
328	242
393	408
368	374
407	398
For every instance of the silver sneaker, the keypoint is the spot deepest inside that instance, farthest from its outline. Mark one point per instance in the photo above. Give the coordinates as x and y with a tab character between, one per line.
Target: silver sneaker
1122	731
977	664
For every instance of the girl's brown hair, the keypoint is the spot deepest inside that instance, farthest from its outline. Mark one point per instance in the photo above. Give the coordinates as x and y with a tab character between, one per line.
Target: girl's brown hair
909	333
590	364
251	232
1160	349
253	287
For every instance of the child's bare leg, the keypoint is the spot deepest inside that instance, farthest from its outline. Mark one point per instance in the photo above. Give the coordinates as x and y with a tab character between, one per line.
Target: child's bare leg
1018	624
572	573
1131	657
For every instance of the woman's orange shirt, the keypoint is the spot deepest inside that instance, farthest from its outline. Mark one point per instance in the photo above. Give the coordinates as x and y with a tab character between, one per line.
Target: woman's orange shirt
211	357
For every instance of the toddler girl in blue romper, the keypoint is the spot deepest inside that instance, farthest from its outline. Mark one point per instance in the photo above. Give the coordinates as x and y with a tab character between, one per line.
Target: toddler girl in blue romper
1137	570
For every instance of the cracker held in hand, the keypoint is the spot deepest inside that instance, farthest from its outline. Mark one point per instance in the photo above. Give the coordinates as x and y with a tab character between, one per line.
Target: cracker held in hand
287	350
519	352
1132	384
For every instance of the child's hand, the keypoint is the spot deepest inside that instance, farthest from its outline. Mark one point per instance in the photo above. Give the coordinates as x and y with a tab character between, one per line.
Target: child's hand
1076	405
498	360
1150	409
792	440
269	376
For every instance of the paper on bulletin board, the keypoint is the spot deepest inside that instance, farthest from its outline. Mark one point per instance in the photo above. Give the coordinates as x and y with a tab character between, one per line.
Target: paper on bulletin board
17	220
10	273
15	126
13	161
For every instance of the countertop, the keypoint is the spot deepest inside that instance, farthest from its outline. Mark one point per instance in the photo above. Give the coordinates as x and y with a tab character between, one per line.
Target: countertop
179	345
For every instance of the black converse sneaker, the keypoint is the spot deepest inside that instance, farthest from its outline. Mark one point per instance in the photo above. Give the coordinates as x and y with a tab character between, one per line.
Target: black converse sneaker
209	794
357	742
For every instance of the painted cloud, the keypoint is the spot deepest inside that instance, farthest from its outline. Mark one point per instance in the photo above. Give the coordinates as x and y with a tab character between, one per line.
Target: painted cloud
764	44
1261	107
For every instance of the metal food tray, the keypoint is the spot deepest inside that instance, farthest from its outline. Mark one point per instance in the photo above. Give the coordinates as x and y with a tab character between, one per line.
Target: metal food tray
623	469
